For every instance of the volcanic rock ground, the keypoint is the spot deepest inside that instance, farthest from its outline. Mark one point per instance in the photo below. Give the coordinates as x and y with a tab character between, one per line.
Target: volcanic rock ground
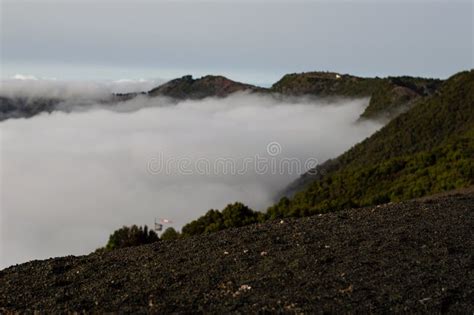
415	256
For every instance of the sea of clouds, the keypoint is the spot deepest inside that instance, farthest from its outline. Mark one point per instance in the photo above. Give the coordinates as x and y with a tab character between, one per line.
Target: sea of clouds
68	179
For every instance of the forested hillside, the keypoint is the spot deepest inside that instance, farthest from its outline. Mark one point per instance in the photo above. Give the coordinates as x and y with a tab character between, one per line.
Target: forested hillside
388	96
427	150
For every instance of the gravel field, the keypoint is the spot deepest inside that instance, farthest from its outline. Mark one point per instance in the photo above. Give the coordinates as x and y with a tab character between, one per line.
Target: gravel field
414	256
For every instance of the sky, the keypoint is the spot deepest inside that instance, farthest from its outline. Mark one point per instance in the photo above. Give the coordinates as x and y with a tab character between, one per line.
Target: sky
256	42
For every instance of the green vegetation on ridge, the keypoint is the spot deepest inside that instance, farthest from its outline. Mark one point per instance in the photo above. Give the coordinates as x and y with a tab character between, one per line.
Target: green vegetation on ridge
427	150
388	96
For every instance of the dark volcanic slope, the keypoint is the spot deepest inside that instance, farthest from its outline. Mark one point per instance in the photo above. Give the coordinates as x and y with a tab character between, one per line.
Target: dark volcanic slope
415	256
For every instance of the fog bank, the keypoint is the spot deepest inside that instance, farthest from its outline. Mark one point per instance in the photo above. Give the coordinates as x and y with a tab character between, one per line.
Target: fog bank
69	179
30	86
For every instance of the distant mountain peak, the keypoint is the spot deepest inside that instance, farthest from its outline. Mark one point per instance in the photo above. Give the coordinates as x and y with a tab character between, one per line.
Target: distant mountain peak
206	86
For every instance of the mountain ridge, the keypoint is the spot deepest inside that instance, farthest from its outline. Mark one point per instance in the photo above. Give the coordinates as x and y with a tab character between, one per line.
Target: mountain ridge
389	96
208	86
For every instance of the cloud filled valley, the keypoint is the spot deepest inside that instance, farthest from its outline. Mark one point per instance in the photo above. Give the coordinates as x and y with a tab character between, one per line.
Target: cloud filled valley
70	179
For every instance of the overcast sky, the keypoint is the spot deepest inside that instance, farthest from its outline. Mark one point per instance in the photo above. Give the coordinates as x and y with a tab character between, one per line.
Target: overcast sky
255	42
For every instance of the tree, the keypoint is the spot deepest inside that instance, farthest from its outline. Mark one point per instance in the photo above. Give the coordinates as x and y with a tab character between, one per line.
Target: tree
131	236
170	234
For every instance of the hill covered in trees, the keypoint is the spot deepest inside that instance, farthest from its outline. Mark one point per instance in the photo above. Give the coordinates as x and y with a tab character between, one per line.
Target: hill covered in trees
388	96
424	151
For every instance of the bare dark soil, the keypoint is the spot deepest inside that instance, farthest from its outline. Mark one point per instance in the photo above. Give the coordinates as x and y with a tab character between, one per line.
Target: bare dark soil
414	256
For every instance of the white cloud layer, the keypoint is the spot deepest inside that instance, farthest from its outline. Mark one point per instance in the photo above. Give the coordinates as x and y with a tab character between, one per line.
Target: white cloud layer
28	85
69	180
